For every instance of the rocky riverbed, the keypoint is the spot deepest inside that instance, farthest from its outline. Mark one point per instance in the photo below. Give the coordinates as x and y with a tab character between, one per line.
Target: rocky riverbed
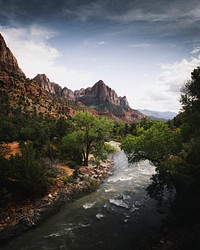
18	217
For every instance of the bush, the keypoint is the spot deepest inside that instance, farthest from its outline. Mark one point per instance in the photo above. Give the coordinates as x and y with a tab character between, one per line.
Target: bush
31	173
23	176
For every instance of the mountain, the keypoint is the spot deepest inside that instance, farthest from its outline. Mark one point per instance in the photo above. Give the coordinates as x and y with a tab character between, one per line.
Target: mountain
99	94
159	115
105	100
45	83
40	95
99	97
8	62
20	94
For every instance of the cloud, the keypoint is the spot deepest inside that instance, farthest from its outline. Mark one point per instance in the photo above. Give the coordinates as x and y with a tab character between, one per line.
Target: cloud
166	91
195	50
31	46
175	75
140	45
158	11
101	43
84	12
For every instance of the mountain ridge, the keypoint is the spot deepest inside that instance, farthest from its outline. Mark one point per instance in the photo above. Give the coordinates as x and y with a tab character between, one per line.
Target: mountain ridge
99	97
41	95
8	63
166	115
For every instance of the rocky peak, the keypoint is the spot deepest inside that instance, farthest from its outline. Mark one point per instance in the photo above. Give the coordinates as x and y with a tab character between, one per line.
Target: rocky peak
105	94
50	87
8	62
57	88
44	81
100	93
68	94
124	102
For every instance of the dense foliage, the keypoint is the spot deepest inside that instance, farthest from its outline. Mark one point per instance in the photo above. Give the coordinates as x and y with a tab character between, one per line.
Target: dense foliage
43	141
89	137
174	149
23	176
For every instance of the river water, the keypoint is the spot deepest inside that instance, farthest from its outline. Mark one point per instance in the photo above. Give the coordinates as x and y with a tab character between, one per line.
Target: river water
117	216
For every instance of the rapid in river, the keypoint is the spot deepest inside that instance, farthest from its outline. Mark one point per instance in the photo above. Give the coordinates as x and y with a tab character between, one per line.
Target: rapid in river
119	215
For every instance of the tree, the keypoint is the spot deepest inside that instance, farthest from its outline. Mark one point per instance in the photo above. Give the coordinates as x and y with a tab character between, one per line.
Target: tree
160	145
30	172
71	146
4	175
91	133
154	144
175	151
8	131
23	176
190	127
63	126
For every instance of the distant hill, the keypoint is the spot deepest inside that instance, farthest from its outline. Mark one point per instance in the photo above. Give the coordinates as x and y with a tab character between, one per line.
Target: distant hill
158	115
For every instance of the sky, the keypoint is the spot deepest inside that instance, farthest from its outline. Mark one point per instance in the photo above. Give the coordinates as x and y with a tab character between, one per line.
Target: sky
143	49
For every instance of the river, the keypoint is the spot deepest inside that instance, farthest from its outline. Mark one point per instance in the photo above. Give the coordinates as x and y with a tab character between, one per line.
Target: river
119	215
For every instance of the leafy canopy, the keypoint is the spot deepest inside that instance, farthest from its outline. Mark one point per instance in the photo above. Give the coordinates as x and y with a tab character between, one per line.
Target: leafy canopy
89	137
154	144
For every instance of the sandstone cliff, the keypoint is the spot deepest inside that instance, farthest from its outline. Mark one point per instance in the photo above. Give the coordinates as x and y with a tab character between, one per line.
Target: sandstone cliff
99	97
50	87
8	63
98	94
42	96
106	102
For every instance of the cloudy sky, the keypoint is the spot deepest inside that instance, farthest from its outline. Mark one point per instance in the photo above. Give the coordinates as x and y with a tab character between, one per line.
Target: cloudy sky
144	49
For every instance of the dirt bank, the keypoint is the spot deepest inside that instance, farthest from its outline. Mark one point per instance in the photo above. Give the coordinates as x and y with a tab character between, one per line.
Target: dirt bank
16	218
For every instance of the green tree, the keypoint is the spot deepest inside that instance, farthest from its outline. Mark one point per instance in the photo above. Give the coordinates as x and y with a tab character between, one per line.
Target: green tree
91	133
5	173
160	145
63	126
175	151
8	131
154	144
30	172
71	146
190	128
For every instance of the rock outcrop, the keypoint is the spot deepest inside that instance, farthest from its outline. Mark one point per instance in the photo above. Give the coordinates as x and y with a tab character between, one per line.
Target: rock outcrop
50	87
98	94
99	97
124	102
47	97
106	102
68	94
8	63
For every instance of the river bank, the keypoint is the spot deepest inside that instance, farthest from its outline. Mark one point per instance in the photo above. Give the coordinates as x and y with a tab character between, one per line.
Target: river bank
117	215
16	218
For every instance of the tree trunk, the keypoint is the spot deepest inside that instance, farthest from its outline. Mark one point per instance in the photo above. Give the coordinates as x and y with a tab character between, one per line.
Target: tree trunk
86	156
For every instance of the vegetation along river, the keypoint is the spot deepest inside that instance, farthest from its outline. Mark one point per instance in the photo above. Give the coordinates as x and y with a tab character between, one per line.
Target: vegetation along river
119	215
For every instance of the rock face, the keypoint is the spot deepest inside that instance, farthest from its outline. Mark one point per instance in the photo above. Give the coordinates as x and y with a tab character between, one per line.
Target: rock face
50	87
124	102
106	102
99	97
47	97
53	87
68	94
100	93
8	63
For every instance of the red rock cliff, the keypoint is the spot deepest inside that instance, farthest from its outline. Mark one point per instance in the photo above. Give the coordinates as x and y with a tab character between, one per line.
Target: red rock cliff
8	63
